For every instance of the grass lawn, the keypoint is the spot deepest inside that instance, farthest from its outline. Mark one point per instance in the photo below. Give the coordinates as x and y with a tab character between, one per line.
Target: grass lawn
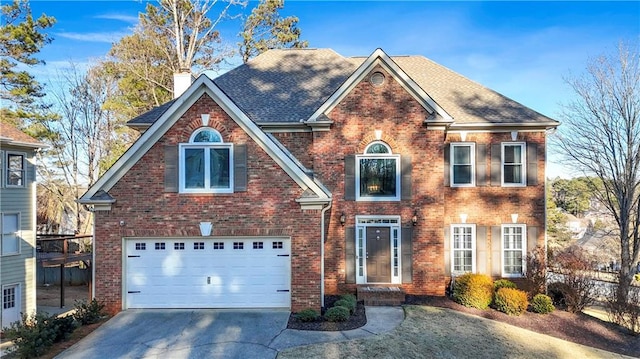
431	332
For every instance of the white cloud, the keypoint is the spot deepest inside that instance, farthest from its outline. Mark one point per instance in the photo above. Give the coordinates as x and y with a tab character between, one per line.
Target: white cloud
108	37
119	17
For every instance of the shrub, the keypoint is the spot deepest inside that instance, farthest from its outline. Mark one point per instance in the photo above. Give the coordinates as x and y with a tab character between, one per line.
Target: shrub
536	272
35	333
578	290
624	313
347	304
503	283
337	314
350	297
307	315
63	326
88	313
542	304
511	301
473	290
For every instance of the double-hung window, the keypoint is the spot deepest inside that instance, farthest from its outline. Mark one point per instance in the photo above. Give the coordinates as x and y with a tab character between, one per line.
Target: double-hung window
15	170
206	163
378	174
463	247
513	164
10	233
462	164
514	244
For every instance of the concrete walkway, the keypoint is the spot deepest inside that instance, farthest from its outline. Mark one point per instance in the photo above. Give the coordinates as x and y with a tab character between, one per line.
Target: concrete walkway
180	334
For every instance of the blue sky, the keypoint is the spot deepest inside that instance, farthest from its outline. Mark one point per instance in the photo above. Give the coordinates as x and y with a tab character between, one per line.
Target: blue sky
520	49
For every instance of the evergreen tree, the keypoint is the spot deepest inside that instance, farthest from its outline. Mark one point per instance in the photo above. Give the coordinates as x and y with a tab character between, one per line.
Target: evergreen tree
264	29
21	38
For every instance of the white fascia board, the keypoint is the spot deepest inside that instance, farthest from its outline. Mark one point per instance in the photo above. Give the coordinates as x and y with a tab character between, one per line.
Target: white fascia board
10	142
149	138
504	126
379	57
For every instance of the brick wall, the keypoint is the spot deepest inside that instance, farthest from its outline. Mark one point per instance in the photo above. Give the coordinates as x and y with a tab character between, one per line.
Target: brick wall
267	209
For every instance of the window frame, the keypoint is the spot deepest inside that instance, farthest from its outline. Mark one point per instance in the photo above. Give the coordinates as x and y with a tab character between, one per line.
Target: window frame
398	176
523	164
206	147
503	273
472	160
2	169
7	172
472	226
18	234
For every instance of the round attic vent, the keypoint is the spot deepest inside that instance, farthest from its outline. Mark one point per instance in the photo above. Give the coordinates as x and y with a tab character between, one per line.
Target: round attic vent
377	78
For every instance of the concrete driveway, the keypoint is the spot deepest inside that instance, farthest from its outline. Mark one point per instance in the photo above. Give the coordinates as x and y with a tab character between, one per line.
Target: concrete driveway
184	334
212	333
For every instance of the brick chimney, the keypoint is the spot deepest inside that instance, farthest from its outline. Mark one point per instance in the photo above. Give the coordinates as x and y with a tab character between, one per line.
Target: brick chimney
181	82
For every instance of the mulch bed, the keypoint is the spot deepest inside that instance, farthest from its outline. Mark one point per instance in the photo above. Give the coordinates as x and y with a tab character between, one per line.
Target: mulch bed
357	320
577	328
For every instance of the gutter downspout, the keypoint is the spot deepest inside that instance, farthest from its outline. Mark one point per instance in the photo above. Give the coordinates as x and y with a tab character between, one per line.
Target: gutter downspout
324	210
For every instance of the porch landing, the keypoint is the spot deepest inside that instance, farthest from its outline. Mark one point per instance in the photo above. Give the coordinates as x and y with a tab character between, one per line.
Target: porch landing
380	295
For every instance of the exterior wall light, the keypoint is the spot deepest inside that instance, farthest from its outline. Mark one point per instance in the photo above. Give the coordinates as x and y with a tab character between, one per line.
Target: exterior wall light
343	219
414	219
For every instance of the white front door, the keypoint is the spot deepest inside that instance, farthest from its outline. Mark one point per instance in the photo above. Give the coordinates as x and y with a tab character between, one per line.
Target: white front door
11	304
208	273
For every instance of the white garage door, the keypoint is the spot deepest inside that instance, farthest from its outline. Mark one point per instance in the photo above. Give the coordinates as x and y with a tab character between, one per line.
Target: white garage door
208	273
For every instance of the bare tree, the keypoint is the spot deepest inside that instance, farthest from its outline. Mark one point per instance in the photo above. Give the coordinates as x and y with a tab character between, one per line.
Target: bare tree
83	135
600	136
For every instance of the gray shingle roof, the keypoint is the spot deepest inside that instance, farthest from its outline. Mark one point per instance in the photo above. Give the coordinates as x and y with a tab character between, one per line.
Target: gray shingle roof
288	85
285	85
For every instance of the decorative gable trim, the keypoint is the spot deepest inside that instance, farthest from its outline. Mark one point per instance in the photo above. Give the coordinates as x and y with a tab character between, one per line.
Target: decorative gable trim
203	85
379	58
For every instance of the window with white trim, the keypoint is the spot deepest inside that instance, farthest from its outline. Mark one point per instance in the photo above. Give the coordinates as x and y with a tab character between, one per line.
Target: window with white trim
10	233
463	248
378	174
206	163
514	244
463	164
15	169
513	164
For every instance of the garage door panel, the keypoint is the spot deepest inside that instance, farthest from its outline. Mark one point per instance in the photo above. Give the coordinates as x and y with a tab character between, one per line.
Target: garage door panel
209	273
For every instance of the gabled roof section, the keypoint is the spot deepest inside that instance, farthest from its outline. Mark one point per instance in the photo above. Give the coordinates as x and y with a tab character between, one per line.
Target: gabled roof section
468	102
203	85
289	86
285	85
11	135
380	58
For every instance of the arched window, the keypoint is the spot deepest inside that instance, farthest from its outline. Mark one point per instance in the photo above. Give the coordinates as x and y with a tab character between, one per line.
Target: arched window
378	173
206	163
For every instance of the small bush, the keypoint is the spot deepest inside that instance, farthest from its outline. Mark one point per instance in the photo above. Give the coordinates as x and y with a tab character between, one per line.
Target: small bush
625	313
88	313
307	315
473	290
34	334
511	301
337	314
349	297
503	283
347	304
536	272
542	304
63	326
579	290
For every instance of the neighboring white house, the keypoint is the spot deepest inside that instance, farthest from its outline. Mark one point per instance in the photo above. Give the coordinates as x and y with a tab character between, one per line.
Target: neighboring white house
18	223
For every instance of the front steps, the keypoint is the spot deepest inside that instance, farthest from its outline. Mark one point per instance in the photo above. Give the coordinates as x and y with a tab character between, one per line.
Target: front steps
380	295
